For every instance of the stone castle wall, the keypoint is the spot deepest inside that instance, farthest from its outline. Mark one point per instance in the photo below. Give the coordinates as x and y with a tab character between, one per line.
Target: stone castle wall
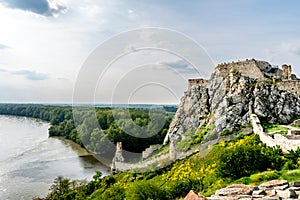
292	86
286	143
152	149
250	68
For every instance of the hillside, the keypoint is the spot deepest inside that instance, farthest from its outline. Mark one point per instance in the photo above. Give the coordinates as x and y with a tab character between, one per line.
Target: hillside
224	102
210	110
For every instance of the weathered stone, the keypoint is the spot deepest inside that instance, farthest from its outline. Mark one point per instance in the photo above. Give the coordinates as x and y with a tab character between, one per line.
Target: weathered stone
297	122
295	184
240	191
118	154
244	197
295	188
273	183
255	188
259	192
194	196
233	92
289	193
236	189
271	198
222	198
271	193
258	196
282	187
150	151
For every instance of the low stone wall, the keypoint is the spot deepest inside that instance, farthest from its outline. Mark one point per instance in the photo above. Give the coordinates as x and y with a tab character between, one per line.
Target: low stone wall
257	128
158	161
150	151
167	159
286	142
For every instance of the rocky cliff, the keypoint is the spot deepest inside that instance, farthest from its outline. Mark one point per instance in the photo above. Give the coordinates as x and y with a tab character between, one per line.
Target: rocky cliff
225	101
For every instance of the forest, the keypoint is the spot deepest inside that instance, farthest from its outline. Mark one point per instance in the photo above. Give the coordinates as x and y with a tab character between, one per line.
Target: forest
92	136
245	159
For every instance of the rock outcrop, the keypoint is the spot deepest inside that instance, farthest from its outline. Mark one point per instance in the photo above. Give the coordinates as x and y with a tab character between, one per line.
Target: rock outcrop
234	91
275	189
192	195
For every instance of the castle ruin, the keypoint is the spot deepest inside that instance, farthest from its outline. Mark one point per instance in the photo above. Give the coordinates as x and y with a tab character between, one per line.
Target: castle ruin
118	156
260	70
287	72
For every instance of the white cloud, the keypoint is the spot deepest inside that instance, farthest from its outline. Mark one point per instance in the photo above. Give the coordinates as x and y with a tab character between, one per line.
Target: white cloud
58	46
2	46
181	65
41	7
31	75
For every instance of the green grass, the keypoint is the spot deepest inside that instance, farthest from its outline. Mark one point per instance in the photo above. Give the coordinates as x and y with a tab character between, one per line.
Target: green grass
185	144
193	138
291	175
274	127
259	178
162	150
201	172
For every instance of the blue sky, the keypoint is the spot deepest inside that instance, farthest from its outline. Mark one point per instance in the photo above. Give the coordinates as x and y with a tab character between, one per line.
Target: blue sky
44	43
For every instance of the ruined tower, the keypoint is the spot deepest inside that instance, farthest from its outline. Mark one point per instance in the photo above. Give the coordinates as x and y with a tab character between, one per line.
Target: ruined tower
118	155
172	151
117	158
287	71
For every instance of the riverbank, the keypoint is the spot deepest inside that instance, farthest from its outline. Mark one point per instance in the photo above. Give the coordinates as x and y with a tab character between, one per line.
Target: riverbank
81	152
30	160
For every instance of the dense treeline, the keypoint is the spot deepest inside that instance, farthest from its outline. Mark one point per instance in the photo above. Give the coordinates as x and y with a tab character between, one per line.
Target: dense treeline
52	114
244	160
94	137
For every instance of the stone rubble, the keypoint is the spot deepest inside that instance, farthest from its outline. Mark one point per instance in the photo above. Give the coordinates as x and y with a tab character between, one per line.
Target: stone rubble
192	195
271	190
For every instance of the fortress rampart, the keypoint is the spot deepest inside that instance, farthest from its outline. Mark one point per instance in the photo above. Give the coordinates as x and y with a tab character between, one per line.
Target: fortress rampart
260	70
251	68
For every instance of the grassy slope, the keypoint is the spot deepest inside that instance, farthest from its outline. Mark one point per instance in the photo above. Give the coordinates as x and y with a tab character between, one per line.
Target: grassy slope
200	174
245	156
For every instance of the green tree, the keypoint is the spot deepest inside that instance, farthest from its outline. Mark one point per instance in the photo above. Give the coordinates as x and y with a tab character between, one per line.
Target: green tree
60	189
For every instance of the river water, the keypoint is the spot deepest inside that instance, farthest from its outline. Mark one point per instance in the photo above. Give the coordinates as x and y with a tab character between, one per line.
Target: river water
30	161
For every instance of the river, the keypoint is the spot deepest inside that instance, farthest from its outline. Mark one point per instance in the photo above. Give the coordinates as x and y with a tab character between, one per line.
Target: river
30	161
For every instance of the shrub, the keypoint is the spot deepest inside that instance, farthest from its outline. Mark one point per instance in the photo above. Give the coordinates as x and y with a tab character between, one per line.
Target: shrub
240	161
256	179
143	190
182	188
113	193
226	132
247	156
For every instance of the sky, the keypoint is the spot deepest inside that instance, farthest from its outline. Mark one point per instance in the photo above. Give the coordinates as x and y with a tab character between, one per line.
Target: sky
47	47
